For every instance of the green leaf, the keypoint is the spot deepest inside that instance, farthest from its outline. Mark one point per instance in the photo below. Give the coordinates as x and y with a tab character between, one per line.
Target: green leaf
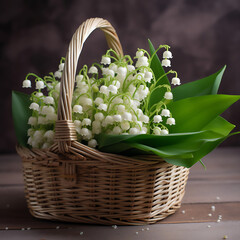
205	86
21	114
192	114
106	140
157	93
220	125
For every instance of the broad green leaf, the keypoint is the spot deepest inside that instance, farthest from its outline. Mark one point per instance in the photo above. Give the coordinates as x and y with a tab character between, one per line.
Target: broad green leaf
106	140
21	114
220	125
157	93
192	114
205	86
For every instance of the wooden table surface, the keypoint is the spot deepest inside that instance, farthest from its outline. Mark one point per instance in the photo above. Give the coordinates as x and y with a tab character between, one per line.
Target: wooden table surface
218	185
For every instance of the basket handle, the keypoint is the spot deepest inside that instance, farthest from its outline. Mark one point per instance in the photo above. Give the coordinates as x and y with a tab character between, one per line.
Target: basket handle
65	129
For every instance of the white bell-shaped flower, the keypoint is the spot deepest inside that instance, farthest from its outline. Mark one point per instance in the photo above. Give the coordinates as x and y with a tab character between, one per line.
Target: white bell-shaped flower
102	107
93	70
133	131
142	61
157	119
165	113
85	132
49	135
39	94
98	101
96	127
113	67
61	66
42	120
79	78
139	53
104	90
40	85
144	118
113	89
48	100
130	68
168	95
166	63
157	131
26	83
32	121
46	145
117	100
116	83
38	136
125	126
105	60
121	108
164	132
47	110
176	81
117	130
34	106
99	116
167	54
57	87
77	123
109	120
117	118
30	132
122	71
148	76
86	122
51	117
58	74
81	84
77	109
170	121
111	73
92	143
127	116
144	130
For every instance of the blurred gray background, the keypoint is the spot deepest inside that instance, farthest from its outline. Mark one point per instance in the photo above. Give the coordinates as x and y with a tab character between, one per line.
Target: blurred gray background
34	35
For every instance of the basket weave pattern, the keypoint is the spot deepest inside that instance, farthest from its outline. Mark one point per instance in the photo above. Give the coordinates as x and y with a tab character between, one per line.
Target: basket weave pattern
72	182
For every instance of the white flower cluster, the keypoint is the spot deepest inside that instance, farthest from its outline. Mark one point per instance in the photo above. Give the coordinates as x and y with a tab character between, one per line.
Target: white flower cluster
111	97
44	108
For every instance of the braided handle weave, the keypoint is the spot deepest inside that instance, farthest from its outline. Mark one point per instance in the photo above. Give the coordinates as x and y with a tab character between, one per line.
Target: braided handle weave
65	129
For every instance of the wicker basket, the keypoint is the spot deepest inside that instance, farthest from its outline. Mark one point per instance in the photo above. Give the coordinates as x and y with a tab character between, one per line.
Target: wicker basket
74	183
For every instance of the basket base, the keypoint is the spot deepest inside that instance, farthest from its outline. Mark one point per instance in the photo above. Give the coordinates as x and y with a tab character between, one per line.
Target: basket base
100	192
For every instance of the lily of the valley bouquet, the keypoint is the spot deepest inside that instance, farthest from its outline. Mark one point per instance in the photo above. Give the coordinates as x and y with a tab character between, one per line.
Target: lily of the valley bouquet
127	106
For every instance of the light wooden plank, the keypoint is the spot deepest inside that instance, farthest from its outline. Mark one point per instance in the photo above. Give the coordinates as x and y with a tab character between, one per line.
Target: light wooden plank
196	231
14	213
